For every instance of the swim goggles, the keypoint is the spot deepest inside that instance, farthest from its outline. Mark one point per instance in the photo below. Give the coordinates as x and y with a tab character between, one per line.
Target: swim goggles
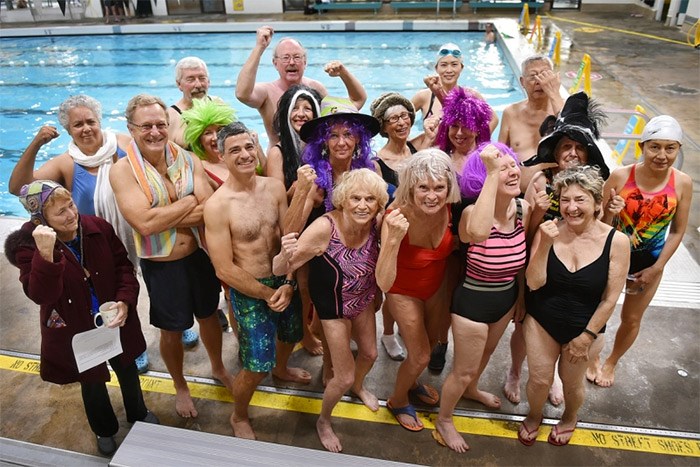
454	52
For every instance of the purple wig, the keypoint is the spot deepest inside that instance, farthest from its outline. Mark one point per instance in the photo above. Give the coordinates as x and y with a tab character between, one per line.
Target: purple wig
474	172
316	152
462	107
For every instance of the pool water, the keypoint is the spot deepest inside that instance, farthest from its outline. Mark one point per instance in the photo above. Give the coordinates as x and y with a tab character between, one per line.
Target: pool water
37	74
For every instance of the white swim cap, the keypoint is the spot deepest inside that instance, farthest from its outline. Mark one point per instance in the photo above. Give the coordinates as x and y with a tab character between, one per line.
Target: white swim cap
662	127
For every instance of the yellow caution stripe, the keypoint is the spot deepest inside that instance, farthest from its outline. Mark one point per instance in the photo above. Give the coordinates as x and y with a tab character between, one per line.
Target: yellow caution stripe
626	441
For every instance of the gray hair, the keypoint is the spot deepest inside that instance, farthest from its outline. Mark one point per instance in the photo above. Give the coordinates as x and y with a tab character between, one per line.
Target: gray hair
535	58
232	129
586	176
352	180
429	163
79	100
188	63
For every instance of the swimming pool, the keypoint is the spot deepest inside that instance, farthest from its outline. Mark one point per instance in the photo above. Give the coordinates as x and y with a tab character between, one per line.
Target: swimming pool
38	73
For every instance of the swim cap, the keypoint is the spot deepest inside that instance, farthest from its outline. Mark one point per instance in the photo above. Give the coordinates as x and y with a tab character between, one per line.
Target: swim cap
662	127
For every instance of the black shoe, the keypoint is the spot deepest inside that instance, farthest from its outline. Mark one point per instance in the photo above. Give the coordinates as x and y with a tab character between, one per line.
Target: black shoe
106	445
437	357
223	320
151	418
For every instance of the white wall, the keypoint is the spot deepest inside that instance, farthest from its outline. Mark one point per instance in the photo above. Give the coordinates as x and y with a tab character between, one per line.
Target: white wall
693	9
247	7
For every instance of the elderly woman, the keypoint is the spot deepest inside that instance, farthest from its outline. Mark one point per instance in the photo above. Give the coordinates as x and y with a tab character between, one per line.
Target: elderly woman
341	248
338	141
651	207
69	265
396	116
492	292
203	120
571	142
411	270
576	272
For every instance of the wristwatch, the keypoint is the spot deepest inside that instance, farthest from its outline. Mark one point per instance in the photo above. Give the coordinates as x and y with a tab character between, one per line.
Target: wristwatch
291	282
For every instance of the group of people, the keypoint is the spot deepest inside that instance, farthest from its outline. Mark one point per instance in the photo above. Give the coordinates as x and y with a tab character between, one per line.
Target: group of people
453	229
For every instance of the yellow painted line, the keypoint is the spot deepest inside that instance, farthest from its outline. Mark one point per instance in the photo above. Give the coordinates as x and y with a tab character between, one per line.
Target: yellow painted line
623	31
468	425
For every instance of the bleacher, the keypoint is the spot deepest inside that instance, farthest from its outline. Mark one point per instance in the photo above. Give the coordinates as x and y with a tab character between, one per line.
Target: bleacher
336	5
512	4
445	5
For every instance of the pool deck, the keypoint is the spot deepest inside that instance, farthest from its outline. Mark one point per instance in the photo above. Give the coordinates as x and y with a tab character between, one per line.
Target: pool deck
651	416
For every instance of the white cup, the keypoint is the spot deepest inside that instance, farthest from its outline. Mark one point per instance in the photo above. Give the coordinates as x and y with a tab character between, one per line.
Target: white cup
108	311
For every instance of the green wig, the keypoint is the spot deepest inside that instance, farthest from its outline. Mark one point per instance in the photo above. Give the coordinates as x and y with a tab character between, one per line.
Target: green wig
205	112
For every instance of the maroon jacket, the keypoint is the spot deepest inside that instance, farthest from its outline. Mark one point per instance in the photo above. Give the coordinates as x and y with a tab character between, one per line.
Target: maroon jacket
62	286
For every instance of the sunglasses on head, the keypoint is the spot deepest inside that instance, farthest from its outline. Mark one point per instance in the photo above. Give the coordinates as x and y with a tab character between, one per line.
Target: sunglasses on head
455	52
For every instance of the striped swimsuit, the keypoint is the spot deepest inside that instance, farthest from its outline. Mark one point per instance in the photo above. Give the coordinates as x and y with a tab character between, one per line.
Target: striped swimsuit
341	280
489	289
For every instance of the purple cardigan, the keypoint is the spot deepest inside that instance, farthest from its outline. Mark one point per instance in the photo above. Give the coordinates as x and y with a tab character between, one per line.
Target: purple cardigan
62	286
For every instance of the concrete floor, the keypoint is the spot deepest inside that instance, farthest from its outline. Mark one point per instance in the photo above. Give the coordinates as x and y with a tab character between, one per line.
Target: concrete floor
650	392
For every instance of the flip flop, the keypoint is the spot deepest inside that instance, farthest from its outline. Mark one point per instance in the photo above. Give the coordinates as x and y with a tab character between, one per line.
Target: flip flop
425	393
408	410
438	437
526	441
555	433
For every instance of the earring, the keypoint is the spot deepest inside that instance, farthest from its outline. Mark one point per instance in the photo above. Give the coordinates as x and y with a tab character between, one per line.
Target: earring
324	152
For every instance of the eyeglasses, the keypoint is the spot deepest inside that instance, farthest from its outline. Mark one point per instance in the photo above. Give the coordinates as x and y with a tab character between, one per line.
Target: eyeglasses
394	119
455	52
146	127
290	58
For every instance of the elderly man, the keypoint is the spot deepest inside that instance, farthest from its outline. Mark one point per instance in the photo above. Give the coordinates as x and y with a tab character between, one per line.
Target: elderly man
161	189
289	58
243	221
192	78
520	125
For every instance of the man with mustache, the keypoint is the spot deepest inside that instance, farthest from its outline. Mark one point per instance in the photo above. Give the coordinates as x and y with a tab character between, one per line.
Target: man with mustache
192	78
289	58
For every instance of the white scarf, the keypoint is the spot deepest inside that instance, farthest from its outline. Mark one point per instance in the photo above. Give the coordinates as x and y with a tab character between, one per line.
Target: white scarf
103	198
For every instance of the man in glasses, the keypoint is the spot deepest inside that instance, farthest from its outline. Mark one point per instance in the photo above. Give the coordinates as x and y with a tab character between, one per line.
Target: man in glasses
448	67
520	128
289	58
160	189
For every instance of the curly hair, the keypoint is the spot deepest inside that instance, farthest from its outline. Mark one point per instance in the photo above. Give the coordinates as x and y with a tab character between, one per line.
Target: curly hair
587	177
474	172
290	142
316	151
79	100
354	180
431	163
204	113
461	107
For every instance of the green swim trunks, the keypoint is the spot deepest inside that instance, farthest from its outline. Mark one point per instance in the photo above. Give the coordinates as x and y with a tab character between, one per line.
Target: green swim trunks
258	326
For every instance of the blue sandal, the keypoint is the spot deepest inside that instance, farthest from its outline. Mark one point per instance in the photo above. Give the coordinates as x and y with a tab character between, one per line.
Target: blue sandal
190	338
408	410
425	393
142	363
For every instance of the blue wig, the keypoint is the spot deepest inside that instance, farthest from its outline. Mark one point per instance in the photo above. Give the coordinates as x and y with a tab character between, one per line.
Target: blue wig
316	151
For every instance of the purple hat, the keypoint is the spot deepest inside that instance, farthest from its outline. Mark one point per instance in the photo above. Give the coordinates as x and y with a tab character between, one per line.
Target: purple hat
34	195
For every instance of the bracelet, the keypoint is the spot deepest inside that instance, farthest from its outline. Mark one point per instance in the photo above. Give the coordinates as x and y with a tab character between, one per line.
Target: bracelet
291	282
591	333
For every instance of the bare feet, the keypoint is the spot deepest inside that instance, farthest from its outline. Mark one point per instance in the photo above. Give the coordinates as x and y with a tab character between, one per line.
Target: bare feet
295	375
556	392
607	376
312	344
367	398
512	388
449	437
593	370
327	436
241	428
184	405
489	400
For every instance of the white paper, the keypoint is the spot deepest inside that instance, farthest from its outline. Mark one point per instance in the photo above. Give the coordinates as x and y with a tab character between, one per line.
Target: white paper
96	346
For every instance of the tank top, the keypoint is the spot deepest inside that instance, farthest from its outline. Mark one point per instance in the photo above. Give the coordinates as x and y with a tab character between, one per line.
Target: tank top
341	280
